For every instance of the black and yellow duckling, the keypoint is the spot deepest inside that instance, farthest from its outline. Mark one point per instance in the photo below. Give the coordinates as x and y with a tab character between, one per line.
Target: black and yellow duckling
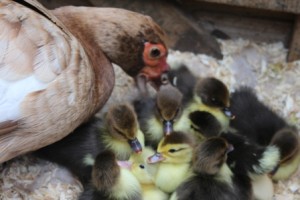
172	161
212	97
185	81
258	122
212	178
118	131
288	142
158	117
254	162
208	111
121	132
206	103
111	181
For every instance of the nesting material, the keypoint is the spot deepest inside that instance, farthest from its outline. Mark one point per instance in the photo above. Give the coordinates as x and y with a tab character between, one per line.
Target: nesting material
261	66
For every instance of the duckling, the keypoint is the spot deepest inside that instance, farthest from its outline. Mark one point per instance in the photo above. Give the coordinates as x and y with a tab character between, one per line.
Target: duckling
118	131
207	113
110	181
172	160
212	178
121	132
253	161
287	139
184	80
258	122
143	172
251	158
158	117
211	99
204	124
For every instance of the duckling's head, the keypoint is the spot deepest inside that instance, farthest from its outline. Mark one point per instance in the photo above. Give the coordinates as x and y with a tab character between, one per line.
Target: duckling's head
174	148
142	173
105	171
168	104
122	124
210	155
288	142
213	93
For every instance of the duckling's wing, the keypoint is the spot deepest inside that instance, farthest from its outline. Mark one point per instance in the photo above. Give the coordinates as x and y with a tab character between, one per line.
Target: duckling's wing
254	118
205	123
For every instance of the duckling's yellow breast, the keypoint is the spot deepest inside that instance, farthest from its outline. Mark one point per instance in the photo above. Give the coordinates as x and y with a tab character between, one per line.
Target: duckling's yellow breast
170	176
151	192
154	129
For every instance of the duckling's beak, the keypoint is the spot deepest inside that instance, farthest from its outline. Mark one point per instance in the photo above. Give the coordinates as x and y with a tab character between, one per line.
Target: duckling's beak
167	127
230	148
124	164
135	145
228	113
157	157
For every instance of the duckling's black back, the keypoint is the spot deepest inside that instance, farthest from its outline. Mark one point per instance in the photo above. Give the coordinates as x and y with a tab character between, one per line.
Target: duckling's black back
71	150
246	156
253	118
204	186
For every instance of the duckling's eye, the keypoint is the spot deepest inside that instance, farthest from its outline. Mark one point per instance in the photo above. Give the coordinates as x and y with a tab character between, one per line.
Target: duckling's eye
172	150
154	52
213	99
141	166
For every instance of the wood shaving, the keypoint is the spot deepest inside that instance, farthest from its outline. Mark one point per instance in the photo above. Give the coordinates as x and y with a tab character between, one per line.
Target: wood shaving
261	66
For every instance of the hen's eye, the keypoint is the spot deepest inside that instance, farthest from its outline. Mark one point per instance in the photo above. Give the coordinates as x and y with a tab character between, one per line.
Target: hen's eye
155	52
172	150
142	166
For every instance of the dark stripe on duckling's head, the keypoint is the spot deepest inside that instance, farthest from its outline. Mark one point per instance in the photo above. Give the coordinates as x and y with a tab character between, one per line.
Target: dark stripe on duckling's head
212	92
122	119
168	102
105	171
177	137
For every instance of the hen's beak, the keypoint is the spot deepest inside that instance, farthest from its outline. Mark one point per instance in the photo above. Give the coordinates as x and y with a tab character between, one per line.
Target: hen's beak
157	157
135	145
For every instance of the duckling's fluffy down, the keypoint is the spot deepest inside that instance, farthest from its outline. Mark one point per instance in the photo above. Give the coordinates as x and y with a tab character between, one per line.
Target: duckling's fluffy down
244	62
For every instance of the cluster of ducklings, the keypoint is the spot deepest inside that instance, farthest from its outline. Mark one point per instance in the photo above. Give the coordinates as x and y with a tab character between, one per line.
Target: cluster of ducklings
193	140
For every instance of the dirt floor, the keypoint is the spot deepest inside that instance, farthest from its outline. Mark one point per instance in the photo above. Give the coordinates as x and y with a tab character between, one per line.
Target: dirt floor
261	66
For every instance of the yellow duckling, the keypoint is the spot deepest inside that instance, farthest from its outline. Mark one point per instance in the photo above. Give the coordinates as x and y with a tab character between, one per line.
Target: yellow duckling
121	132
288	142
209	110
143	172
172	160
